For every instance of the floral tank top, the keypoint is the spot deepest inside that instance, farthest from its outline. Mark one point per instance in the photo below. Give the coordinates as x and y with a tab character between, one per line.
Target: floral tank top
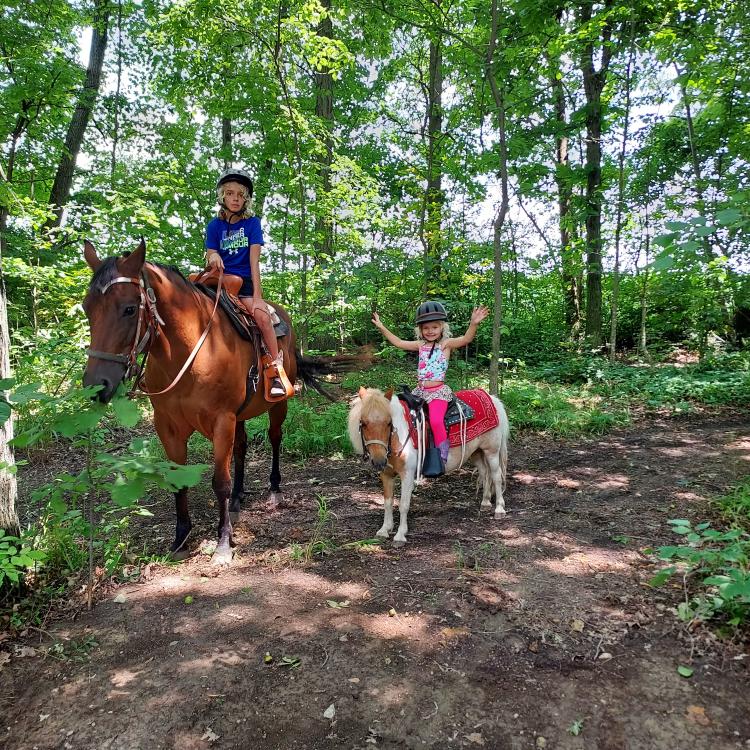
432	364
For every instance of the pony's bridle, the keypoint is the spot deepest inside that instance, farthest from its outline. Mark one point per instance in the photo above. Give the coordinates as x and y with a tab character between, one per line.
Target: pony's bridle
148	319
388	445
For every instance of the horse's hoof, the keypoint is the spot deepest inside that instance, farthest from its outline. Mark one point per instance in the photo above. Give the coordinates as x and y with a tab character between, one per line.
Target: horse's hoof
398	544
500	515
273	499
179	555
382	534
234	517
222	558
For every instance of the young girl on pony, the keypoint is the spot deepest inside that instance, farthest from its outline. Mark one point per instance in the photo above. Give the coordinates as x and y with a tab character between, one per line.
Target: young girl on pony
434	344
233	242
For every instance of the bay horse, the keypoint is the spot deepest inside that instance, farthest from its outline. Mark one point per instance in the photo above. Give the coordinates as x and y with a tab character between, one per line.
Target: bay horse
379	432
135	306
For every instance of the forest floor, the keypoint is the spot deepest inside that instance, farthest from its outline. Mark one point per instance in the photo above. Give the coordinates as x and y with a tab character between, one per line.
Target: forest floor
538	631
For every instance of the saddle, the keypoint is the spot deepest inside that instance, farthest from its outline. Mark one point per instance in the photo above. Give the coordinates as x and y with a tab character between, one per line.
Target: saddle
207	281
458	410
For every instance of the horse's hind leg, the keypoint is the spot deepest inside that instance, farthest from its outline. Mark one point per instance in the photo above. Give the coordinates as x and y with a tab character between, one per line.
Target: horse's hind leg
175	446
238	487
277	415
496	472
483	479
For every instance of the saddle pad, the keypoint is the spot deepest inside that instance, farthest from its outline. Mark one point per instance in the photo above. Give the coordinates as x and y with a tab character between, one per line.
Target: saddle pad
485	417
230	308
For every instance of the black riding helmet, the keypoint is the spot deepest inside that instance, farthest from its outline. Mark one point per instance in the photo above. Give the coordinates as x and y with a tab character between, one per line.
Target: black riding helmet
236	175
429	311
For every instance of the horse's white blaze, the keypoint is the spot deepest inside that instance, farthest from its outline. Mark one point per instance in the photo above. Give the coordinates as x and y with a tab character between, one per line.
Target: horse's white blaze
488	452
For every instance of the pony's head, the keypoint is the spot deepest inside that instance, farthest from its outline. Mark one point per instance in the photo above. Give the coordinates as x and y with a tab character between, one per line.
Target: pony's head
114	306
371	425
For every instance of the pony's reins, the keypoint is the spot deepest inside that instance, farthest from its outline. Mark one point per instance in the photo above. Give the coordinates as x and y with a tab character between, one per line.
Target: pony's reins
147	309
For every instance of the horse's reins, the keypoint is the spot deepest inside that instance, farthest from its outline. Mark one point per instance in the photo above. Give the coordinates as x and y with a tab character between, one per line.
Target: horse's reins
147	309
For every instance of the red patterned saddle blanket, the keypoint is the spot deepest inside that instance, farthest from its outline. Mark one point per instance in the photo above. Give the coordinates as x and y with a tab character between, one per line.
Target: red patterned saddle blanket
485	417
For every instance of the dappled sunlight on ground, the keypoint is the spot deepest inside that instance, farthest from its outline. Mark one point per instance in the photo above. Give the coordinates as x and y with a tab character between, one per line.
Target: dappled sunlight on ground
524	478
742	445
592	560
690	497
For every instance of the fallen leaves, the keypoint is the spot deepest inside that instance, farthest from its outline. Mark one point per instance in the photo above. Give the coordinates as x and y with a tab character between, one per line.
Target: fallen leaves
697	715
333	604
330	712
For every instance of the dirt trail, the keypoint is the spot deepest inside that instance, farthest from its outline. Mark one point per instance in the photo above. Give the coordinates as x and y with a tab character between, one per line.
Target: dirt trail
478	633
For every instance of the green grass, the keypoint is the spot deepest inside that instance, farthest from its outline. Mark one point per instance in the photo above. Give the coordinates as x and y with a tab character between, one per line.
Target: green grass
735	506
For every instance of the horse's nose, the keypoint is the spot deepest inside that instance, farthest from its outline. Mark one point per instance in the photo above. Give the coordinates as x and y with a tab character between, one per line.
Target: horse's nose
379	463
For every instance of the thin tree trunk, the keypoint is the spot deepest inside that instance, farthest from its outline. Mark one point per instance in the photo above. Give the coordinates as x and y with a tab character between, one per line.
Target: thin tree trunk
434	197
620	206
76	130
569	254
324	112
498	96
642	345
116	124
593	84
8	485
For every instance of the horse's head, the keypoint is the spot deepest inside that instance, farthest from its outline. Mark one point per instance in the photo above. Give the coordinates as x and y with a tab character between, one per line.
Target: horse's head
114	306
371	426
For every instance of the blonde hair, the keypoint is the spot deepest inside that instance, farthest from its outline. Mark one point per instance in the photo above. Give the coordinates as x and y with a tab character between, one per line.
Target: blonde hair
247	212
444	334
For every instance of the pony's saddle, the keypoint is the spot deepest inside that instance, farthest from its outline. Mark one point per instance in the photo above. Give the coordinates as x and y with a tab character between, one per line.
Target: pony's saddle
207	281
458	410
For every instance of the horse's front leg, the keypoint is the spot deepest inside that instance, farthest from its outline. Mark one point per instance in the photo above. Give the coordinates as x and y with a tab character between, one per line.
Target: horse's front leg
407	487
495	471
175	446
238	487
276	417
223	439
388	481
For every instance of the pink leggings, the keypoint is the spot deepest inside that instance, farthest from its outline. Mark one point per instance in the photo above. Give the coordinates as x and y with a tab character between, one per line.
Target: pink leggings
437	408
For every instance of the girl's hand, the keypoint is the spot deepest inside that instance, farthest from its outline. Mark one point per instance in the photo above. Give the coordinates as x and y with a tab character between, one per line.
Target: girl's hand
215	261
376	320
479	314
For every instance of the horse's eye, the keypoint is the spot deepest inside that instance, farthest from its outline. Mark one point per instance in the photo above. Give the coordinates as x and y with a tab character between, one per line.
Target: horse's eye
129	311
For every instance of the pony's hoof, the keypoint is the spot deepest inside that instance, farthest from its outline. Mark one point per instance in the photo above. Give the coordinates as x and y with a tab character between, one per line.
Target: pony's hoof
399	543
382	533
234	517
486	506
500	515
222	558
273	499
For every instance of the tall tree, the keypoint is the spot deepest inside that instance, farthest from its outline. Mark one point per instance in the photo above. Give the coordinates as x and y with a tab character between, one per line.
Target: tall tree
63	181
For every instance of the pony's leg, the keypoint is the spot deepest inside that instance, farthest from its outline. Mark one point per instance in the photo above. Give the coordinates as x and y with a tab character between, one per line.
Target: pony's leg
175	446
496	471
223	439
276	417
407	486
238	487
483	479
388	483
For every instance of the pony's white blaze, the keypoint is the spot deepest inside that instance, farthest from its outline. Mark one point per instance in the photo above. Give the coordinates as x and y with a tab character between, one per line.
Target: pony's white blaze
371	415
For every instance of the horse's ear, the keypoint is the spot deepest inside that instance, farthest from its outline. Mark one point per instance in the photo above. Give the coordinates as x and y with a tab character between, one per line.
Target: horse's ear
362	392
389	394
89	254
133	264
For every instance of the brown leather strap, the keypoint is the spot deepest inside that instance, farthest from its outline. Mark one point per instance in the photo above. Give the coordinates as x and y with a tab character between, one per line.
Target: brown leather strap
196	348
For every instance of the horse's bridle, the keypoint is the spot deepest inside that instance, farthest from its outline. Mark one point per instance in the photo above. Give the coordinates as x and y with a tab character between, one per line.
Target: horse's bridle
146	310
387	445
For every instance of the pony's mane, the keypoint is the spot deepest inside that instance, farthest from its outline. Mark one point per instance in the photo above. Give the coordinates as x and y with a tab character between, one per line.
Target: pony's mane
374	404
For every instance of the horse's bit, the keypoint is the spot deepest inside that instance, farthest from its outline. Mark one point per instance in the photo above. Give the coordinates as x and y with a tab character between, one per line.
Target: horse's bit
387	445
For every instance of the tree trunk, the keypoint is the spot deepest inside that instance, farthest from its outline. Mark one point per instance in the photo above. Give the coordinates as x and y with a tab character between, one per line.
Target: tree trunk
434	197
593	84
570	261
620	207
8	486
77	128
324	112
498	96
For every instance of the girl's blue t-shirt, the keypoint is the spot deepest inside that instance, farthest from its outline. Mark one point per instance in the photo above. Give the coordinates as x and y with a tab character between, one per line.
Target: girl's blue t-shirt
233	241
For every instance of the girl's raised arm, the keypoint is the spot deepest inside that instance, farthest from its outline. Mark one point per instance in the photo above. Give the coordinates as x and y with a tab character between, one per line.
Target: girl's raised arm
409	346
479	314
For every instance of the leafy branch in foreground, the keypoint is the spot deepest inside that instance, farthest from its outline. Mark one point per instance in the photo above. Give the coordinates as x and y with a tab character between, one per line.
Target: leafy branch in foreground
717	563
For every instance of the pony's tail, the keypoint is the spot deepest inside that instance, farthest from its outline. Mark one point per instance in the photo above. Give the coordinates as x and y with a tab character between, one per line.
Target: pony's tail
310	370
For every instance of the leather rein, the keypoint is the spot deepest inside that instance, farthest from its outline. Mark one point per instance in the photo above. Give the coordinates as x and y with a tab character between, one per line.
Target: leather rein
150	321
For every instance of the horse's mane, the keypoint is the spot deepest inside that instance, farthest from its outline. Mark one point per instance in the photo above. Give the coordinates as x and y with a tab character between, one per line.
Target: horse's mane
108	270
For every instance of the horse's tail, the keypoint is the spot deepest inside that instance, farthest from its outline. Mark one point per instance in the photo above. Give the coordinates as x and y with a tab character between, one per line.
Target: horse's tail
310	370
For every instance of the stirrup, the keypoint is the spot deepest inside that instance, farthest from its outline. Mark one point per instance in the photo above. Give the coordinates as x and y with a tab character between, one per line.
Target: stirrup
276	384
